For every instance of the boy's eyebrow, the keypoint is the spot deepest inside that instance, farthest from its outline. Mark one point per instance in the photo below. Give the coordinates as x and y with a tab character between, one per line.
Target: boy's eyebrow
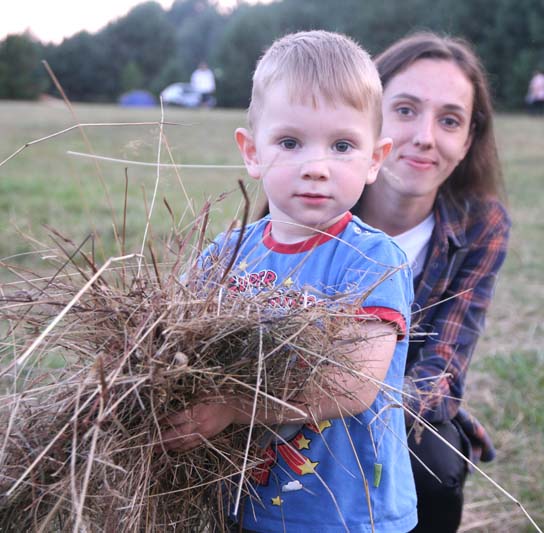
295	130
417	100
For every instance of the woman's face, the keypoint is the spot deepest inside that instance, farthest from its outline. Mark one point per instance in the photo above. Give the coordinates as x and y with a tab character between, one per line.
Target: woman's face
427	111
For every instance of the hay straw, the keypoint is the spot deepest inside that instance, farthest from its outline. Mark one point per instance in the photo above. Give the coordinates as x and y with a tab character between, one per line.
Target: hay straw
81	445
32	431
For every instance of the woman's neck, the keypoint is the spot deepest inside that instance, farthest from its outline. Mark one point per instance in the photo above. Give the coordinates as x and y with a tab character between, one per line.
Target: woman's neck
392	213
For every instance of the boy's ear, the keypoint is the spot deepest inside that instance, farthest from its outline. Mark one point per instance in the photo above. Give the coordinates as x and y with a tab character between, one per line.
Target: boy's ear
381	151
246	145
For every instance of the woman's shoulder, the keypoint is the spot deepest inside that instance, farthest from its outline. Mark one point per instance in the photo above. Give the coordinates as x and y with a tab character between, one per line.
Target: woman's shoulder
473	217
489	216
488	208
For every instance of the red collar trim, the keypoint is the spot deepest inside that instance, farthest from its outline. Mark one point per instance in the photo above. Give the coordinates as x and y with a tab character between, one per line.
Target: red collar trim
309	244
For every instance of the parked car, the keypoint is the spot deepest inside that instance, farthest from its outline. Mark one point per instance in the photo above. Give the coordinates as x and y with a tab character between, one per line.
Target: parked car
181	94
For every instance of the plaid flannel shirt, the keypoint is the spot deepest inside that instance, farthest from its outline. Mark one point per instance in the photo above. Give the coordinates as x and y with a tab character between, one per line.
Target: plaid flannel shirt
452	295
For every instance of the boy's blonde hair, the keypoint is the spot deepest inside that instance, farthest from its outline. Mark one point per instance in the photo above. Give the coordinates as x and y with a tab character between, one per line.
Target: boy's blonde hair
319	63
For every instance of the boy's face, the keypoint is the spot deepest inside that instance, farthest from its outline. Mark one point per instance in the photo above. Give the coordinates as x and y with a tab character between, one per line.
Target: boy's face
314	160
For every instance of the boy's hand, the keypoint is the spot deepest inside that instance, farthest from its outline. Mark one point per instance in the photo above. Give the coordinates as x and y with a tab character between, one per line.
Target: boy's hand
188	429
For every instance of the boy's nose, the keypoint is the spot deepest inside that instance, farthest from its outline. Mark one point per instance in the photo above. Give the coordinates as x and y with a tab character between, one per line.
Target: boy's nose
316	168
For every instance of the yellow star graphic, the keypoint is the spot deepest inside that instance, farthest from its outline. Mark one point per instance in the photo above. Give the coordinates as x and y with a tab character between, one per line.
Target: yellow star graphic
308	467
324	425
288	282
303	443
243	265
277	500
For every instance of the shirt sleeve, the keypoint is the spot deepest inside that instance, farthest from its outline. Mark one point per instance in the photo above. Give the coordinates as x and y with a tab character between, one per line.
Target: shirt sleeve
381	279
387	315
434	384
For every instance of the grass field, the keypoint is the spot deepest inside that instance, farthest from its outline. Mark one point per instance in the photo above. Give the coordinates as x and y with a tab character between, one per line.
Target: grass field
44	186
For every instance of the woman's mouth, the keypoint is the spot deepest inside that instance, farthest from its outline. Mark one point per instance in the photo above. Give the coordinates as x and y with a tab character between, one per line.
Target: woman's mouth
420	163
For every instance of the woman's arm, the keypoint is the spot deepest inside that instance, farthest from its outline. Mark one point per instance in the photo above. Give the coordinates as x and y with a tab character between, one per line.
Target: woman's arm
344	392
435	381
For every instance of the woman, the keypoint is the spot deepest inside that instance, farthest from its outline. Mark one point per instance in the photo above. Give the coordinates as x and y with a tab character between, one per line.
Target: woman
439	196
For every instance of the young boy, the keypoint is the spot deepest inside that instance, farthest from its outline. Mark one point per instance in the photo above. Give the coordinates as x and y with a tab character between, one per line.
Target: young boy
313	140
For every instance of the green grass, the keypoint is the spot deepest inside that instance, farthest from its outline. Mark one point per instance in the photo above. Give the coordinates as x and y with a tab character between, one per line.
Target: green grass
510	401
516	373
43	185
506	382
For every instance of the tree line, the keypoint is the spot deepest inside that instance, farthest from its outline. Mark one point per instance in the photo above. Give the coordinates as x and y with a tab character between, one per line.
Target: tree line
151	47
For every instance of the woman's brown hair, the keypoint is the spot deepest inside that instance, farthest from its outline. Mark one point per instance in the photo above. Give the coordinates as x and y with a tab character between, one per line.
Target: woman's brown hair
479	172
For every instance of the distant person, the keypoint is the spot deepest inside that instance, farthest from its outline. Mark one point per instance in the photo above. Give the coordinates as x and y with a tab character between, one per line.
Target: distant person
203	82
535	94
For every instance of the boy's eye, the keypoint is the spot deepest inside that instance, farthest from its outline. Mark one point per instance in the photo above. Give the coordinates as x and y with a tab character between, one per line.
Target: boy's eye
342	146
288	144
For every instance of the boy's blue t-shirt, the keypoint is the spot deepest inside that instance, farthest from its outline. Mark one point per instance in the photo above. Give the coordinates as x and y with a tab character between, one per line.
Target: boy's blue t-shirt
352	473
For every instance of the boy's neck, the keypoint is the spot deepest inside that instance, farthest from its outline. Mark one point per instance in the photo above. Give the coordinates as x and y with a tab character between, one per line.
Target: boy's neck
290	233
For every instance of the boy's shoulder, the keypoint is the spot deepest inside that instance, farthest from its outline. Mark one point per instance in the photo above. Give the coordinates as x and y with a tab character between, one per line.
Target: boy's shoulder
252	230
358	237
374	243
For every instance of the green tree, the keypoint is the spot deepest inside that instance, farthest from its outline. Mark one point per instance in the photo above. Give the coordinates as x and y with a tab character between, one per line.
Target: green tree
166	46
513	47
173	71
83	66
144	37
21	74
198	27
131	77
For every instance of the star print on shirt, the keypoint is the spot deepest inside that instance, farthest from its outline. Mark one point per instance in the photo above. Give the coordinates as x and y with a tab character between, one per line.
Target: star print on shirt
277	500
320	427
288	282
301	442
308	467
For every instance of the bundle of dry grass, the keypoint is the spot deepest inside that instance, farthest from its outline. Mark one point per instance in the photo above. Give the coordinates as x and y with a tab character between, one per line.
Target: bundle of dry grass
80	446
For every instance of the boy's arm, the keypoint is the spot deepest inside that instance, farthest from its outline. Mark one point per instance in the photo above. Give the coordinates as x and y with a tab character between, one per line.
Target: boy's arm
345	391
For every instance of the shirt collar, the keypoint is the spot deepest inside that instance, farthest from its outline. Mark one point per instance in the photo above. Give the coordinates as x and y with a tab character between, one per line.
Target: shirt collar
450	223
303	246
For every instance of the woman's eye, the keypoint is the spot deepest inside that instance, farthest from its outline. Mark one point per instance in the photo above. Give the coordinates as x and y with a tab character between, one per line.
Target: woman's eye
342	146
450	122
288	144
404	111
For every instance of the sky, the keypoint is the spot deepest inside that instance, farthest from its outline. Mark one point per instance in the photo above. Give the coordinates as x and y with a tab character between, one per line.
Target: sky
53	20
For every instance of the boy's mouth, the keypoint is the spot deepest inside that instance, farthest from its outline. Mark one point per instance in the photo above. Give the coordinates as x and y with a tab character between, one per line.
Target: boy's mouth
313	198
311	195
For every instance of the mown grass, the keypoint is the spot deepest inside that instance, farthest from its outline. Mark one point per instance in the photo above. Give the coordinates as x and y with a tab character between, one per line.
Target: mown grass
45	186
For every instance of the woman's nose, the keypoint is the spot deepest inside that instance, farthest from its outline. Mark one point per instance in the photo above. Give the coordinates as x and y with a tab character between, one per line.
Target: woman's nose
424	133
